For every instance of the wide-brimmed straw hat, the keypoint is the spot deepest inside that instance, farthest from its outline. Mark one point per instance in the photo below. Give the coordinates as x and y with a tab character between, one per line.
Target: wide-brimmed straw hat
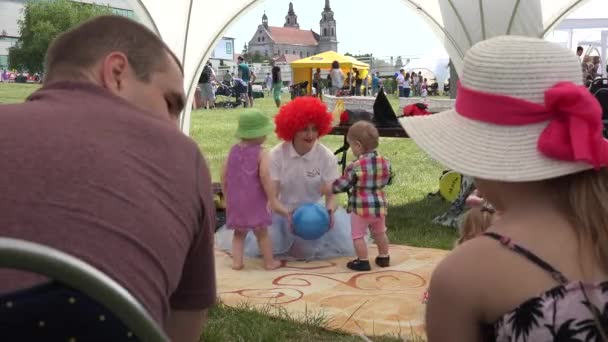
521	114
254	124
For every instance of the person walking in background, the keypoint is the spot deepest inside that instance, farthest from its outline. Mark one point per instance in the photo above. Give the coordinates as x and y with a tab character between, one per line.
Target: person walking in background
358	82
406	85
424	88
400	78
316	82
414	84
375	84
228	78
337	78
206	86
277	85
245	74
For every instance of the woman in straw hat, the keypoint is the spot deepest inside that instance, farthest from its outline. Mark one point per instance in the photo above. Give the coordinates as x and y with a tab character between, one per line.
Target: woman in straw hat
537	153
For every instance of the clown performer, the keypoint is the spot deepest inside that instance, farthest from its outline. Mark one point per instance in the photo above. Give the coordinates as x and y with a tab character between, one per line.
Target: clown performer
299	167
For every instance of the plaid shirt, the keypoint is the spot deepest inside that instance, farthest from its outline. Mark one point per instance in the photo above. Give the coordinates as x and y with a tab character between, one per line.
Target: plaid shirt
367	176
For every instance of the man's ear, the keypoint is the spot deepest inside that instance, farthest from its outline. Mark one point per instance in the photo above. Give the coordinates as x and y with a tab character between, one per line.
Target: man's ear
115	70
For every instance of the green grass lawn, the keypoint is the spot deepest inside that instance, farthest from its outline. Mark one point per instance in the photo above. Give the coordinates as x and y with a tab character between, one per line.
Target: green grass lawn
408	221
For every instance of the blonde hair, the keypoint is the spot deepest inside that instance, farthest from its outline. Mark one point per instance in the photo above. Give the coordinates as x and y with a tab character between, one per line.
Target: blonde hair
583	198
364	132
474	223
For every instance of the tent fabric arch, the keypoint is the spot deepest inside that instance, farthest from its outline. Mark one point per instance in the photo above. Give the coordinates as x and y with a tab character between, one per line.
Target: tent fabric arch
458	23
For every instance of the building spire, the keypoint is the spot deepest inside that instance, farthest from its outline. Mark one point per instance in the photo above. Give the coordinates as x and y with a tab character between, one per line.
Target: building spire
291	12
328	35
291	19
265	20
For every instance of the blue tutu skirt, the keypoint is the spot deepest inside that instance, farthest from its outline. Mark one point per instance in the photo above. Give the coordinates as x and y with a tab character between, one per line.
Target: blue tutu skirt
336	242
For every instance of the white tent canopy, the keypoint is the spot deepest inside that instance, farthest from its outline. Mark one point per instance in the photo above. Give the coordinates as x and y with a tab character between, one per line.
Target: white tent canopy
192	28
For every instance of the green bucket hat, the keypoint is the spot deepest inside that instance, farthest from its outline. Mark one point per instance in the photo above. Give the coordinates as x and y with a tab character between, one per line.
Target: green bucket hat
254	124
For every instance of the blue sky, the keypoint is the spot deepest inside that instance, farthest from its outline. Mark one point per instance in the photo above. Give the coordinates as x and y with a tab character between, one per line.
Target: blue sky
391	28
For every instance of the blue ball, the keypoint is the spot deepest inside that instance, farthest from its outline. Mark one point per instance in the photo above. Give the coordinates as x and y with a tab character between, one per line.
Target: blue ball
310	221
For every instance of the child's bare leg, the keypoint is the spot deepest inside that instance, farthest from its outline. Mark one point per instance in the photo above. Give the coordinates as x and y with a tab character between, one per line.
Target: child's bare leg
238	244
265	244
382	242
360	248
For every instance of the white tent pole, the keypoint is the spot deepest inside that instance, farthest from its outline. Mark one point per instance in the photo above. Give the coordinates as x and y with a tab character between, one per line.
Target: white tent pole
483	20
512	19
459	17
562	14
183	118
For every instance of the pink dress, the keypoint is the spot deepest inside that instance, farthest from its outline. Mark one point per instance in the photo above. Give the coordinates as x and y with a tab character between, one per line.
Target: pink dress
246	201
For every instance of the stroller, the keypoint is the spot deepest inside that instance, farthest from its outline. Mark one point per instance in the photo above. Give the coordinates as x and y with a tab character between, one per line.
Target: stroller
599	89
227	92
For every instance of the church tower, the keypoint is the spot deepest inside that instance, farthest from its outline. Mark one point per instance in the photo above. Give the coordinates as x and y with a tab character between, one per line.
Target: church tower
291	19
265	20
327	39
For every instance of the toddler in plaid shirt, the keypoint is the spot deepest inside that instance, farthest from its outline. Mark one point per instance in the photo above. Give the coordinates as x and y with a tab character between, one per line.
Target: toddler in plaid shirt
366	177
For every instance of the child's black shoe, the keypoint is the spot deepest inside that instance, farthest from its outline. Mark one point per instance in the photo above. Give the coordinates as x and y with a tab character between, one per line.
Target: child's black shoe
359	265
383	261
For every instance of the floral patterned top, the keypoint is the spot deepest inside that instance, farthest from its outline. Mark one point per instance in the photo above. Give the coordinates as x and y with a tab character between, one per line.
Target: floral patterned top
571	311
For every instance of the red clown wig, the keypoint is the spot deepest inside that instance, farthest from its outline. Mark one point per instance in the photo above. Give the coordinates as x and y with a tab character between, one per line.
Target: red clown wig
299	113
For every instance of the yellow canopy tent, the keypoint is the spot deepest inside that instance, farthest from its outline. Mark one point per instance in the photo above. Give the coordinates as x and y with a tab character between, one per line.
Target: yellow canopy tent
302	69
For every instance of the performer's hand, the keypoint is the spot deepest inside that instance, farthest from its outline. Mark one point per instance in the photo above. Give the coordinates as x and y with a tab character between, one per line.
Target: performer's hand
331	218
290	222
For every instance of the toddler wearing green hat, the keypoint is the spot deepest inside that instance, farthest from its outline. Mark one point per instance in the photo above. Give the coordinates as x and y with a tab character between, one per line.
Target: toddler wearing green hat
243	177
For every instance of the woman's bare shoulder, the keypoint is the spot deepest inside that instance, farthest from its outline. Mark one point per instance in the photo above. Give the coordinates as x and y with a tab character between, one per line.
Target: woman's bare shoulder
469	266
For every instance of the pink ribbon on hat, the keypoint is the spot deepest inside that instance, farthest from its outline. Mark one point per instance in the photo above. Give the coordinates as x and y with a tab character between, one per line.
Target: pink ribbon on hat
574	132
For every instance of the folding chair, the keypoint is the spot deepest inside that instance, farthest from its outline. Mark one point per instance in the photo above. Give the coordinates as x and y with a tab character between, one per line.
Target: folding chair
79	304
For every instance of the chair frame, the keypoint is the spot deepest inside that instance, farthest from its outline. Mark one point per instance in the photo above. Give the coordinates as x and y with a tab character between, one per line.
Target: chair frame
64	268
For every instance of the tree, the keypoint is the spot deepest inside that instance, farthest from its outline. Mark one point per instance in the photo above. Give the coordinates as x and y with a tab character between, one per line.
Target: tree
257	58
43	21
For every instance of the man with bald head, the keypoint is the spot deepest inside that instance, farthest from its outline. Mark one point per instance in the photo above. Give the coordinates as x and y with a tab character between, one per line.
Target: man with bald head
93	164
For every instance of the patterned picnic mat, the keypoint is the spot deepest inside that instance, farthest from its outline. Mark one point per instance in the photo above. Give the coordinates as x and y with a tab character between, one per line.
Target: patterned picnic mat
384	301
